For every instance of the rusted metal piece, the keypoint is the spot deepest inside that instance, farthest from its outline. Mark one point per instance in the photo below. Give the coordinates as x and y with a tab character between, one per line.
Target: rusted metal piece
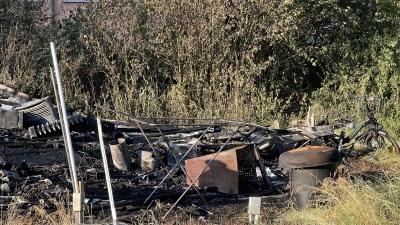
309	156
222	172
120	155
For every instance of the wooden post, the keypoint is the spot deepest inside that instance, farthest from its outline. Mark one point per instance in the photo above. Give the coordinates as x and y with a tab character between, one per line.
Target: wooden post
78	204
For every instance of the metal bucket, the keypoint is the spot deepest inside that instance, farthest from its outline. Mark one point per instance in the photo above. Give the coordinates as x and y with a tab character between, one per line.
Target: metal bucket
120	155
303	182
309	166
147	160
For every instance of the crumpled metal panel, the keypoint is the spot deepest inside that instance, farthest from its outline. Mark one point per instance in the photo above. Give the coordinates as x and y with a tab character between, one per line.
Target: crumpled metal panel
49	127
222	172
38	112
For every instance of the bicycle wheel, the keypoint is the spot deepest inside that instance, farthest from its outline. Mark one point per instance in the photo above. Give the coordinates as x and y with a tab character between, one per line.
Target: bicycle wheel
382	142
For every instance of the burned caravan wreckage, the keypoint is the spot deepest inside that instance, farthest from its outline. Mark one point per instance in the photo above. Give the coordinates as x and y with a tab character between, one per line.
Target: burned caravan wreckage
150	158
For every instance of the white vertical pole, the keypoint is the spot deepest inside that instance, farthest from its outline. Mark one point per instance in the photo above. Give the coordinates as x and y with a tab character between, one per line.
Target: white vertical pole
106	171
61	117
77	196
64	115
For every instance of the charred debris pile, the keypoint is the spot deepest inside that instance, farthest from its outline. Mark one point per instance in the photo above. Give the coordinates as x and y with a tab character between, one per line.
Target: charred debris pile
149	158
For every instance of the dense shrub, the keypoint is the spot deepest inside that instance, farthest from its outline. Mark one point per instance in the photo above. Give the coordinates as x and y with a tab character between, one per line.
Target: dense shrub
248	60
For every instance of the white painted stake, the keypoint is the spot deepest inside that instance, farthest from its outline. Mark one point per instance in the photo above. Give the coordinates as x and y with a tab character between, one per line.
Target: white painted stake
254	209
106	171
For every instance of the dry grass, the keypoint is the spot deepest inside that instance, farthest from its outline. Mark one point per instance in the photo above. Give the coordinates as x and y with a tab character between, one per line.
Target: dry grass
39	214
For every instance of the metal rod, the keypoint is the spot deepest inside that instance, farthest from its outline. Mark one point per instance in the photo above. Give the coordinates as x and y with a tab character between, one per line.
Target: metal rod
64	114
9	103
61	119
171	171
178	162
158	157
204	169
224	122
106	171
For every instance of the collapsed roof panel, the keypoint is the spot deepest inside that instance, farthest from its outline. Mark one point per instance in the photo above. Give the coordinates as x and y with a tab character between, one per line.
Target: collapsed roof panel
38	111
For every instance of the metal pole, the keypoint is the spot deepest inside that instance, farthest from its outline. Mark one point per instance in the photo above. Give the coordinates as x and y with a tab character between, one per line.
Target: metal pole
61	119
64	115
171	170
77	197
106	171
204	169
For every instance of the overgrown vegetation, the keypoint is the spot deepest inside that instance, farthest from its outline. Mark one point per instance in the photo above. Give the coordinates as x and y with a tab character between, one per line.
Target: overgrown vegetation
248	60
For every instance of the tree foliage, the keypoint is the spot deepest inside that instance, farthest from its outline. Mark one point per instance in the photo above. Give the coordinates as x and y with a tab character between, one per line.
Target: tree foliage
242	59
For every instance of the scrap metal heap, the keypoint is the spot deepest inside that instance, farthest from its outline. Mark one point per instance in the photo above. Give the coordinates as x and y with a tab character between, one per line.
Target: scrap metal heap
162	158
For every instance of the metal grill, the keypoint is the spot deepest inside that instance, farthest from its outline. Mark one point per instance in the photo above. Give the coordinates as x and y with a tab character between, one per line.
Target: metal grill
247	166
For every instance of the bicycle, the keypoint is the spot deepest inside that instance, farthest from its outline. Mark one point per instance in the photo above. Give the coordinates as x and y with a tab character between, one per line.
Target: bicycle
373	136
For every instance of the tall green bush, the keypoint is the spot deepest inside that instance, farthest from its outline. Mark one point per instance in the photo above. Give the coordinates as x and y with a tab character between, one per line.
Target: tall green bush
247	60
369	67
240	59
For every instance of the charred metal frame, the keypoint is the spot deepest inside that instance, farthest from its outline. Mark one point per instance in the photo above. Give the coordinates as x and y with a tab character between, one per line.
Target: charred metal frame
162	122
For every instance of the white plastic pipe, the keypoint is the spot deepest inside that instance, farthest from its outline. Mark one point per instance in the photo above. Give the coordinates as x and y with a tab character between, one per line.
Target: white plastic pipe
65	120
106	171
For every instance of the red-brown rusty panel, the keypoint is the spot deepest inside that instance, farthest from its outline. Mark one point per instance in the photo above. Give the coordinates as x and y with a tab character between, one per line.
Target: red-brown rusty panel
222	172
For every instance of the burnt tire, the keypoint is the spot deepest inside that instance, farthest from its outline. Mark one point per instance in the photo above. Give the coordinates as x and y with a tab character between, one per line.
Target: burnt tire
382	142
